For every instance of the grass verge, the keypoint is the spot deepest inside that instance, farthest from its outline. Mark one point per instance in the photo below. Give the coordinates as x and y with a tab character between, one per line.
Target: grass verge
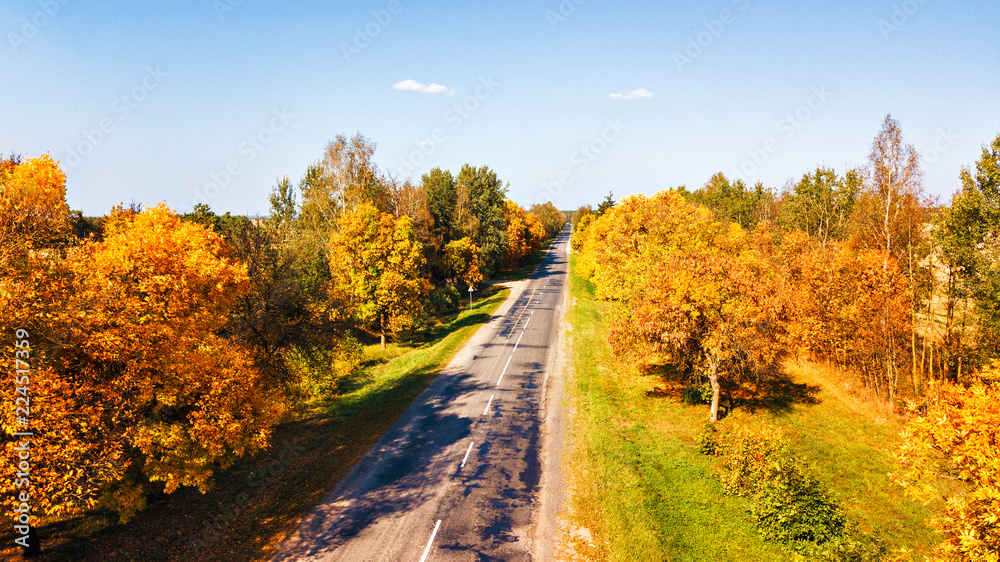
642	491
260	500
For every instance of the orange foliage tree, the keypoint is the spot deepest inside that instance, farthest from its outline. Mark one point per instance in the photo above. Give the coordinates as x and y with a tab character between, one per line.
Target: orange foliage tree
851	306
688	288
133	381
33	210
958	437
723	312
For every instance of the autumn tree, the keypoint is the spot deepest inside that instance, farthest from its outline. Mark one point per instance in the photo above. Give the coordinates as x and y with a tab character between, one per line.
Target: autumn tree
524	235
464	262
688	289
849	306
349	166
376	262
957	438
578	215
890	216
724	312
33	210
136	381
623	246
890	211
552	219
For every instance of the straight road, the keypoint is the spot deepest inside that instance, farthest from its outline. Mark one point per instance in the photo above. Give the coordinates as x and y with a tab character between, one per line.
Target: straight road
457	478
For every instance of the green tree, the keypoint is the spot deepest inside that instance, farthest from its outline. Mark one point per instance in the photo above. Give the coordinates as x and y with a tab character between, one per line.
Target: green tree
607	204
442	197
733	201
480	210
283	204
820	204
377	262
320	205
967	236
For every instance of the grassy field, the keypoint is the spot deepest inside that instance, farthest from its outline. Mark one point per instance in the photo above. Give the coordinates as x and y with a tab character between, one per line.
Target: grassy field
259	500
642	491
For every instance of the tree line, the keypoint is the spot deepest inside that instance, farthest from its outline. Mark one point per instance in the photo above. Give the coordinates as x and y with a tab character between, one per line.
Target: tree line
862	270
165	345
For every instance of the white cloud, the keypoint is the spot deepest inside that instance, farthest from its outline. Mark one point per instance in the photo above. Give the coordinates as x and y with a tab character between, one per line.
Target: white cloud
415	86
640	94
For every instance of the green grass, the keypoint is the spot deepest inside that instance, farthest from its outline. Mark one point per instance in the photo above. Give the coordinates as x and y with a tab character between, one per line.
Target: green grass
640	486
849	446
331	435
645	493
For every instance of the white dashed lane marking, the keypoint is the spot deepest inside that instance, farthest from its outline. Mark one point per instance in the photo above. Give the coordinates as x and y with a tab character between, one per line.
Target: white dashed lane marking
466	459
431	542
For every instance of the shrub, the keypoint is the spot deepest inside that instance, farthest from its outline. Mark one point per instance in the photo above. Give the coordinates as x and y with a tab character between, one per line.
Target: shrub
324	371
708	441
445	299
788	503
697	395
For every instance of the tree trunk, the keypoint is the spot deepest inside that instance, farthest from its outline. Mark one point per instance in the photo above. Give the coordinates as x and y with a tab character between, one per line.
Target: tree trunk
383	340
713	379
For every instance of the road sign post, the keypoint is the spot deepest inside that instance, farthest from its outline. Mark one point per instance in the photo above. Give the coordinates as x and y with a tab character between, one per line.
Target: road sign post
470	296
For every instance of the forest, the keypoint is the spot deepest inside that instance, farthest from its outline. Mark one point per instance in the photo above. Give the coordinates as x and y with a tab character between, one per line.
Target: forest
717	291
165	346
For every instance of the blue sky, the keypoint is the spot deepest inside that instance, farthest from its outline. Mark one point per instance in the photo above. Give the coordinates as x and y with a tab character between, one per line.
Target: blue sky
188	101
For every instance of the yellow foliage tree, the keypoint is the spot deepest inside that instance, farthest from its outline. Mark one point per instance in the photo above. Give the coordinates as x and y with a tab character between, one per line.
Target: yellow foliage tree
378	263
525	233
464	261
959	437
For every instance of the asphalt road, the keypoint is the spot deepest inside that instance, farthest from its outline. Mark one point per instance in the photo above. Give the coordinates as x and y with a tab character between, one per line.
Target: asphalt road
457	478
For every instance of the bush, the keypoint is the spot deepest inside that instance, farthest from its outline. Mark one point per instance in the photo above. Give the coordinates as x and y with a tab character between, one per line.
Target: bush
708	441
445	299
325	371
697	395
788	503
